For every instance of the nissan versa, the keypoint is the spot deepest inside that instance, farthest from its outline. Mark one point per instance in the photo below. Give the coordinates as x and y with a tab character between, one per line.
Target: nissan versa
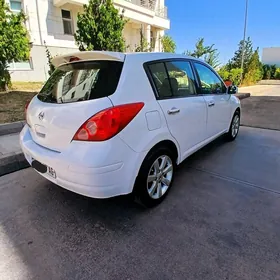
108	124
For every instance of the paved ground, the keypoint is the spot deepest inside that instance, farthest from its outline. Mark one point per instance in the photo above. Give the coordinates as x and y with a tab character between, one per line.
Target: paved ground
262	109
220	221
9	144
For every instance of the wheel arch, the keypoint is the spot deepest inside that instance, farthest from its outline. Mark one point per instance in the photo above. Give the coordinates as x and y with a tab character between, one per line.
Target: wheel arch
167	143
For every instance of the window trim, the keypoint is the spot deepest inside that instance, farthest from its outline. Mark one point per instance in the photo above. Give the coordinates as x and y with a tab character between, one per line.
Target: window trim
22	69
15	11
164	61
199	81
69	20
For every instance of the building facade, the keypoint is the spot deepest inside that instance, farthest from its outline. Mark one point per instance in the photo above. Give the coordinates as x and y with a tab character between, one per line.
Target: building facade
271	56
54	22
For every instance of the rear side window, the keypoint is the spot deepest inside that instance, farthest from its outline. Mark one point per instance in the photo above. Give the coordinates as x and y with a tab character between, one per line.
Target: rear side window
160	78
82	81
173	79
181	77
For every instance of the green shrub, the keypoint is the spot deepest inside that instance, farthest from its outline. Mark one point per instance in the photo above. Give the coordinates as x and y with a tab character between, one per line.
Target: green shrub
277	74
232	75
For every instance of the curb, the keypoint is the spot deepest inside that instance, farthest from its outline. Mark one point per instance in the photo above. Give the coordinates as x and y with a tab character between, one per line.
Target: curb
12	162
10	128
243	95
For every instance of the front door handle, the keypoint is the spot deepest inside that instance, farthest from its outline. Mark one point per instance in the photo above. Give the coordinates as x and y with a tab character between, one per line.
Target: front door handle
173	111
211	104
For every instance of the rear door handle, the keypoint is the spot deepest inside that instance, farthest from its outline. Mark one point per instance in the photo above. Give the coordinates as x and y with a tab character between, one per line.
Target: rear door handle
211	104
173	111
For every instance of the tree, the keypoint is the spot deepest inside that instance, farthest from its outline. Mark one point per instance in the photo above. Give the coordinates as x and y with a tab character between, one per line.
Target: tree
200	49
269	71
143	45
49	58
277	74
168	44
14	42
235	62
232	75
213	59
254	69
100	27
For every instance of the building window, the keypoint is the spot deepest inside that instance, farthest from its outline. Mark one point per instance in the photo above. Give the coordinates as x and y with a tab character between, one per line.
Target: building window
15	6
21	65
67	22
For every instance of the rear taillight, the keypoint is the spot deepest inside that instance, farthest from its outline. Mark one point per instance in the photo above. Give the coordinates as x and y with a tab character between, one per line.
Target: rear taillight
25	109
107	123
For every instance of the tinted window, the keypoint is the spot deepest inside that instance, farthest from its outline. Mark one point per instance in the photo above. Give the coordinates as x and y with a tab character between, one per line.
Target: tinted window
82	81
181	78
160	78
210	83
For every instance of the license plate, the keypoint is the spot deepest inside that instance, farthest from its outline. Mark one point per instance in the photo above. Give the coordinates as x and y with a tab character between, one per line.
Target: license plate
51	172
43	168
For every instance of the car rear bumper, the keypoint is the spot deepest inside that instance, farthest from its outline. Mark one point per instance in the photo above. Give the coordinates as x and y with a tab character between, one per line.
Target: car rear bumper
109	173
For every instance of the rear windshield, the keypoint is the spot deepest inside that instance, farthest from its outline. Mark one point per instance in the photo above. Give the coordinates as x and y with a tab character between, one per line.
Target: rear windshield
81	81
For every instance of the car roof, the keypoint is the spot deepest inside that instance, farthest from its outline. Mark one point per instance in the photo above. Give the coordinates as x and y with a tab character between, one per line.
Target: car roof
138	57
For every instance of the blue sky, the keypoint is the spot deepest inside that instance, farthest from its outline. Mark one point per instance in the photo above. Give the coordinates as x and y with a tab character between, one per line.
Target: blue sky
221	23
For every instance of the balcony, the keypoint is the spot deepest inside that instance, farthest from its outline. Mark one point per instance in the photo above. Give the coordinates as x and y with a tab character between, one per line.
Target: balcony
148	4
162	12
143	11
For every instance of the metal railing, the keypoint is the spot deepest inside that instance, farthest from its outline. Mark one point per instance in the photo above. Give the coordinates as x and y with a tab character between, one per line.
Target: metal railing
162	12
151	5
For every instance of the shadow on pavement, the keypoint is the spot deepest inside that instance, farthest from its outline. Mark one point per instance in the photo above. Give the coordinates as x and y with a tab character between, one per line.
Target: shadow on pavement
207	228
261	112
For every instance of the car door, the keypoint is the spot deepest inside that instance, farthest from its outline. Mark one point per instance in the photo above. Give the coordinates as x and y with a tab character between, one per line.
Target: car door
215	94
184	110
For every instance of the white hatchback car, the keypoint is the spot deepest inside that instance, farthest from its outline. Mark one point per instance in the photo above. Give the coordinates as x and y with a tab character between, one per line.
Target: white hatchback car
108	124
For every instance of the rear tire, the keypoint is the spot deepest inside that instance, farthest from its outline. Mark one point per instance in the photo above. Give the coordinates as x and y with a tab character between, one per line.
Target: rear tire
155	177
234	127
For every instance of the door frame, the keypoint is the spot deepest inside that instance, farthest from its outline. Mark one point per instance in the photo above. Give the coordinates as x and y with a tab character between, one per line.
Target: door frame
211	94
165	60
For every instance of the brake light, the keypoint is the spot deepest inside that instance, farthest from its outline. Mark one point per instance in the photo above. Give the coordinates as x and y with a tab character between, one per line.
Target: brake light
25	109
107	123
74	58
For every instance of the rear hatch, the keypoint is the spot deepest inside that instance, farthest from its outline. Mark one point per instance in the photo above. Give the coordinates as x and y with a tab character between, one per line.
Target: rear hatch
75	92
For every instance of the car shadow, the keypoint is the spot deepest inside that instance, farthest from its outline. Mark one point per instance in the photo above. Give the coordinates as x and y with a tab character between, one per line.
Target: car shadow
261	112
55	230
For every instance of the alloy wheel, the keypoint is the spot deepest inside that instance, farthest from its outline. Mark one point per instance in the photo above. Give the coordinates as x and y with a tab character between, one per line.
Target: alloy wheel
160	177
235	126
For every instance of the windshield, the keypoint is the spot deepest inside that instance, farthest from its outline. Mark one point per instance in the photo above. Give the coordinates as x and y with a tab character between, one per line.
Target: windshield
82	81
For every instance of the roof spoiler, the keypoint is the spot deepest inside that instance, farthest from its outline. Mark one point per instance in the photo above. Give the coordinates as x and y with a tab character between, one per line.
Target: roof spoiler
87	55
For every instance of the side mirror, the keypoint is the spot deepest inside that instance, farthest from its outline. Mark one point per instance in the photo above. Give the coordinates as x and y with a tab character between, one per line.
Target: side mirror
232	89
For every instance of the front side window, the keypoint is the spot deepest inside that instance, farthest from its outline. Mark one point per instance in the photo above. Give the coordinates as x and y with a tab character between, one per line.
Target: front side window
67	22
210	83
81	81
181	78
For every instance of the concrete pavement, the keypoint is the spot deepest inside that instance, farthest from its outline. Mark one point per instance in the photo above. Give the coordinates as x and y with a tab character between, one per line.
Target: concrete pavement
11	157
220	221
262	109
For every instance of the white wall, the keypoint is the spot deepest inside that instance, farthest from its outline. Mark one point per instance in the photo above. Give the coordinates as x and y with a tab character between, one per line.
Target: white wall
39	71
48	20
271	56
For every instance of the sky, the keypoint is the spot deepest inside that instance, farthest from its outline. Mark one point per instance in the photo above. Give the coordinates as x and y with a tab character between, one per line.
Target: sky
221	22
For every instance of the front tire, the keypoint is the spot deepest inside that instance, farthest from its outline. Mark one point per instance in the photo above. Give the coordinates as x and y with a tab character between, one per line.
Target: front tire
234	127
155	177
